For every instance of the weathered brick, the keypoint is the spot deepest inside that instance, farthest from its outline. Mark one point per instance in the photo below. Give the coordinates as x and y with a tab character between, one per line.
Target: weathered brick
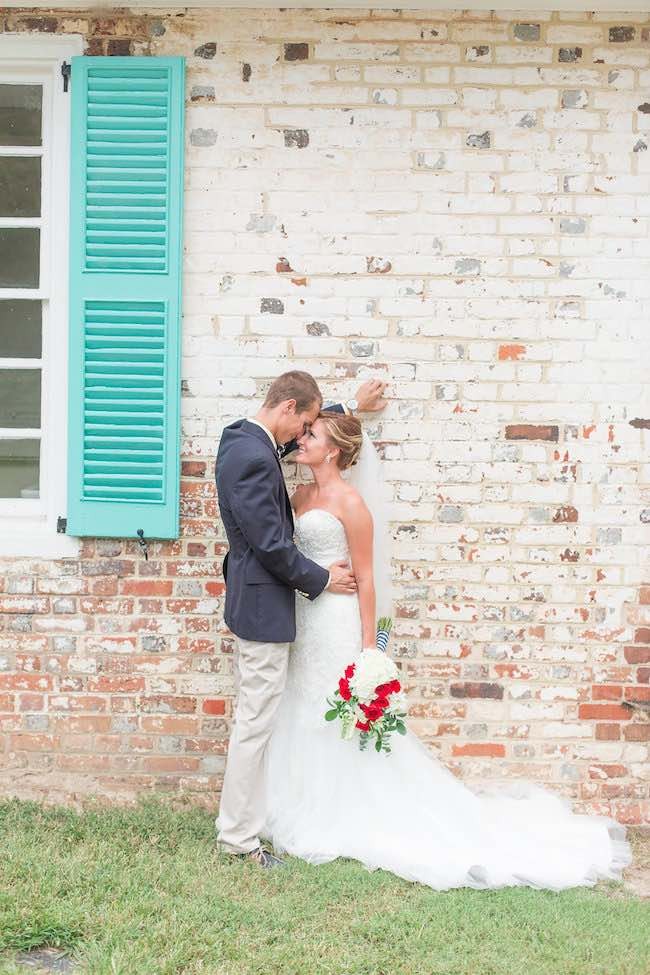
498	320
477	689
479	750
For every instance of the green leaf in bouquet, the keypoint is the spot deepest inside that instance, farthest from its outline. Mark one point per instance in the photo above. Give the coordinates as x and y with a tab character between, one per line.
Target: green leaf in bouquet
331	715
378	745
401	727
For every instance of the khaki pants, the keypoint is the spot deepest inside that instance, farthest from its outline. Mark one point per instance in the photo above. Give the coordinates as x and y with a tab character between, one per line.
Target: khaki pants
260	675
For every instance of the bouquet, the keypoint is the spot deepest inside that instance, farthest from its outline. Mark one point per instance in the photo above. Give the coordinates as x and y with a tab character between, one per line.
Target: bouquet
369	697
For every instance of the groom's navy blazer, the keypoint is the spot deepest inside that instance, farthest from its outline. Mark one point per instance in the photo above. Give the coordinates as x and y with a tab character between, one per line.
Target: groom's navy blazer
263	567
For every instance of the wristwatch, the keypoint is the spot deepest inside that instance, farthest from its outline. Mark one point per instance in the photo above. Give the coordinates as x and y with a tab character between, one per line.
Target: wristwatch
352	405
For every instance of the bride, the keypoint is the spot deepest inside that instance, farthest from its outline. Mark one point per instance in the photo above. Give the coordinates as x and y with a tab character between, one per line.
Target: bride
403	812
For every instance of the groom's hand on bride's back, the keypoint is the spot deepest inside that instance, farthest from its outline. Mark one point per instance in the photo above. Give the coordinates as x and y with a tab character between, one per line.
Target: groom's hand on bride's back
342	579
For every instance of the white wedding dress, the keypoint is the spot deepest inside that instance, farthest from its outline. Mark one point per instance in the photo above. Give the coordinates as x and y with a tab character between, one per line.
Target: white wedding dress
405	812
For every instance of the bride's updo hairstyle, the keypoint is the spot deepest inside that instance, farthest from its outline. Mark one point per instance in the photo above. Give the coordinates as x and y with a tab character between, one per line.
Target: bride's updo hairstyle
343	432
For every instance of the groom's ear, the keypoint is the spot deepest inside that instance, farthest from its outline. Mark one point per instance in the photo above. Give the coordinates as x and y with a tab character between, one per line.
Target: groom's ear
290	406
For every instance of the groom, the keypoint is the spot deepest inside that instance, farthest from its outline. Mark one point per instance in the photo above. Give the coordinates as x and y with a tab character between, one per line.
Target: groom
263	570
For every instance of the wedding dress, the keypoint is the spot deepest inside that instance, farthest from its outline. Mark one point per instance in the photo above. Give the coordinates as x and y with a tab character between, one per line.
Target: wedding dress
405	812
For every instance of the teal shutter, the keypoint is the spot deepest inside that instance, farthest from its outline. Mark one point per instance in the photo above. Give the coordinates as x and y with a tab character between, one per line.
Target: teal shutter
125	292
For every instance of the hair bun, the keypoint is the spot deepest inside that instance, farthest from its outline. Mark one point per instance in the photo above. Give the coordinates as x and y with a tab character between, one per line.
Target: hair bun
344	432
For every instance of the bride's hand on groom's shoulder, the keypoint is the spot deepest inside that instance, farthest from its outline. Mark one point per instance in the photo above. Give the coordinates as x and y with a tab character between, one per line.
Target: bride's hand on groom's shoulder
299	496
370	396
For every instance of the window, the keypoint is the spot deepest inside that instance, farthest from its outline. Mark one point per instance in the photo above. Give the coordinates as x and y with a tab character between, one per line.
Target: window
34	200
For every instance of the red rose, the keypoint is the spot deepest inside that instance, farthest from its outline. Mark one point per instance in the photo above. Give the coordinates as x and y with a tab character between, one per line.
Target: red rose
394	687
344	689
362	725
349	671
371	711
381	703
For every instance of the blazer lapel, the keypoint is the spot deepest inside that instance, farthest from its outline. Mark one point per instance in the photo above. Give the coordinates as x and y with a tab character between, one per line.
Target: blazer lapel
260	434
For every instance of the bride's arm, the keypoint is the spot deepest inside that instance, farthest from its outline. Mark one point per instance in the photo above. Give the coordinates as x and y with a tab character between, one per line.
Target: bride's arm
357	521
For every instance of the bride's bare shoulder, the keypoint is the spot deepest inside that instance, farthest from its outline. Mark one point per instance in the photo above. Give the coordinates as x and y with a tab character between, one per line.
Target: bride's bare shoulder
352	504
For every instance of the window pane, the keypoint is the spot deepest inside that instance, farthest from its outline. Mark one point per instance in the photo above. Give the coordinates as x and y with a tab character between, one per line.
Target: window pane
20	186
19	468
20	115
20	398
19	257
20	329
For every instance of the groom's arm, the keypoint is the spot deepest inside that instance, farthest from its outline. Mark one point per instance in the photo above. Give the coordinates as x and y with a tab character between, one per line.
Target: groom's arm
255	506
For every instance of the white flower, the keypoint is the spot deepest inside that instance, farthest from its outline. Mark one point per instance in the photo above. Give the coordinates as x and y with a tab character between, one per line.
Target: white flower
398	703
372	668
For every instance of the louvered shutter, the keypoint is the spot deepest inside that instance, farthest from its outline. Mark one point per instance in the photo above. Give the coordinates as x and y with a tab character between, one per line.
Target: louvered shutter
125	284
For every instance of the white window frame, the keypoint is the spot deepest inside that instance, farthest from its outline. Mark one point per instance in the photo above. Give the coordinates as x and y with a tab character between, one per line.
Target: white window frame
28	527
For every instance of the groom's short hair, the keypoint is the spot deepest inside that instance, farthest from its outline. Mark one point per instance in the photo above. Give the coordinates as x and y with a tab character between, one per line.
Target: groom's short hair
294	385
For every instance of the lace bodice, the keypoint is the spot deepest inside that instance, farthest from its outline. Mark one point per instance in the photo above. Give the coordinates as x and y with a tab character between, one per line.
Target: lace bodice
328	628
321	537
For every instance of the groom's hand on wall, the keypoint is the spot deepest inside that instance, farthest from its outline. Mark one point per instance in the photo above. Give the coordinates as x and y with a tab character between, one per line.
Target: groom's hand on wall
341	579
370	396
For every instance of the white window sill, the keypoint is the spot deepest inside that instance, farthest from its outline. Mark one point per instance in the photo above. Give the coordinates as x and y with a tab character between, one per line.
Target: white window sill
36	542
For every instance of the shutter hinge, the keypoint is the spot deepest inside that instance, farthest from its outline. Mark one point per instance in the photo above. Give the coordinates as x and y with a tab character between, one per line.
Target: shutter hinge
66	71
61	525
142	542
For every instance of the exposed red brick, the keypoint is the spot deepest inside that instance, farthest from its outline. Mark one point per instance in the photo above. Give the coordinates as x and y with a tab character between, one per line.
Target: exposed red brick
479	750
215	588
118	685
82	723
170	725
167	702
170	763
603	712
637	655
642	634
26	682
566	513
607	771
637	693
214	707
608	732
197	550
643	675
644	595
193	468
24	742
147	587
637	732
513	352
606	692
528	431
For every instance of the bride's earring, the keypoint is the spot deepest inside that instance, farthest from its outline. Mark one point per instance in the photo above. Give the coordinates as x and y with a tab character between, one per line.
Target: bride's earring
328	458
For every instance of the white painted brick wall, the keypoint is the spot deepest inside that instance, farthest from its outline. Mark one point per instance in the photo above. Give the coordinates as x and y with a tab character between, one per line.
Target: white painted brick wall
458	204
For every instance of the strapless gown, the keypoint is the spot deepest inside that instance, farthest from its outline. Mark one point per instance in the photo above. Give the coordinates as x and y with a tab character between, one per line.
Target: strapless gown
405	812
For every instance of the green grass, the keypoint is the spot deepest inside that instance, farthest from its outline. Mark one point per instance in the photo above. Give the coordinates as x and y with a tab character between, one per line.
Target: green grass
143	892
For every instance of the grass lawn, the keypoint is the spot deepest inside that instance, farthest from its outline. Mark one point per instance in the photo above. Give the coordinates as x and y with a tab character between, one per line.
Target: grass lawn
143	892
